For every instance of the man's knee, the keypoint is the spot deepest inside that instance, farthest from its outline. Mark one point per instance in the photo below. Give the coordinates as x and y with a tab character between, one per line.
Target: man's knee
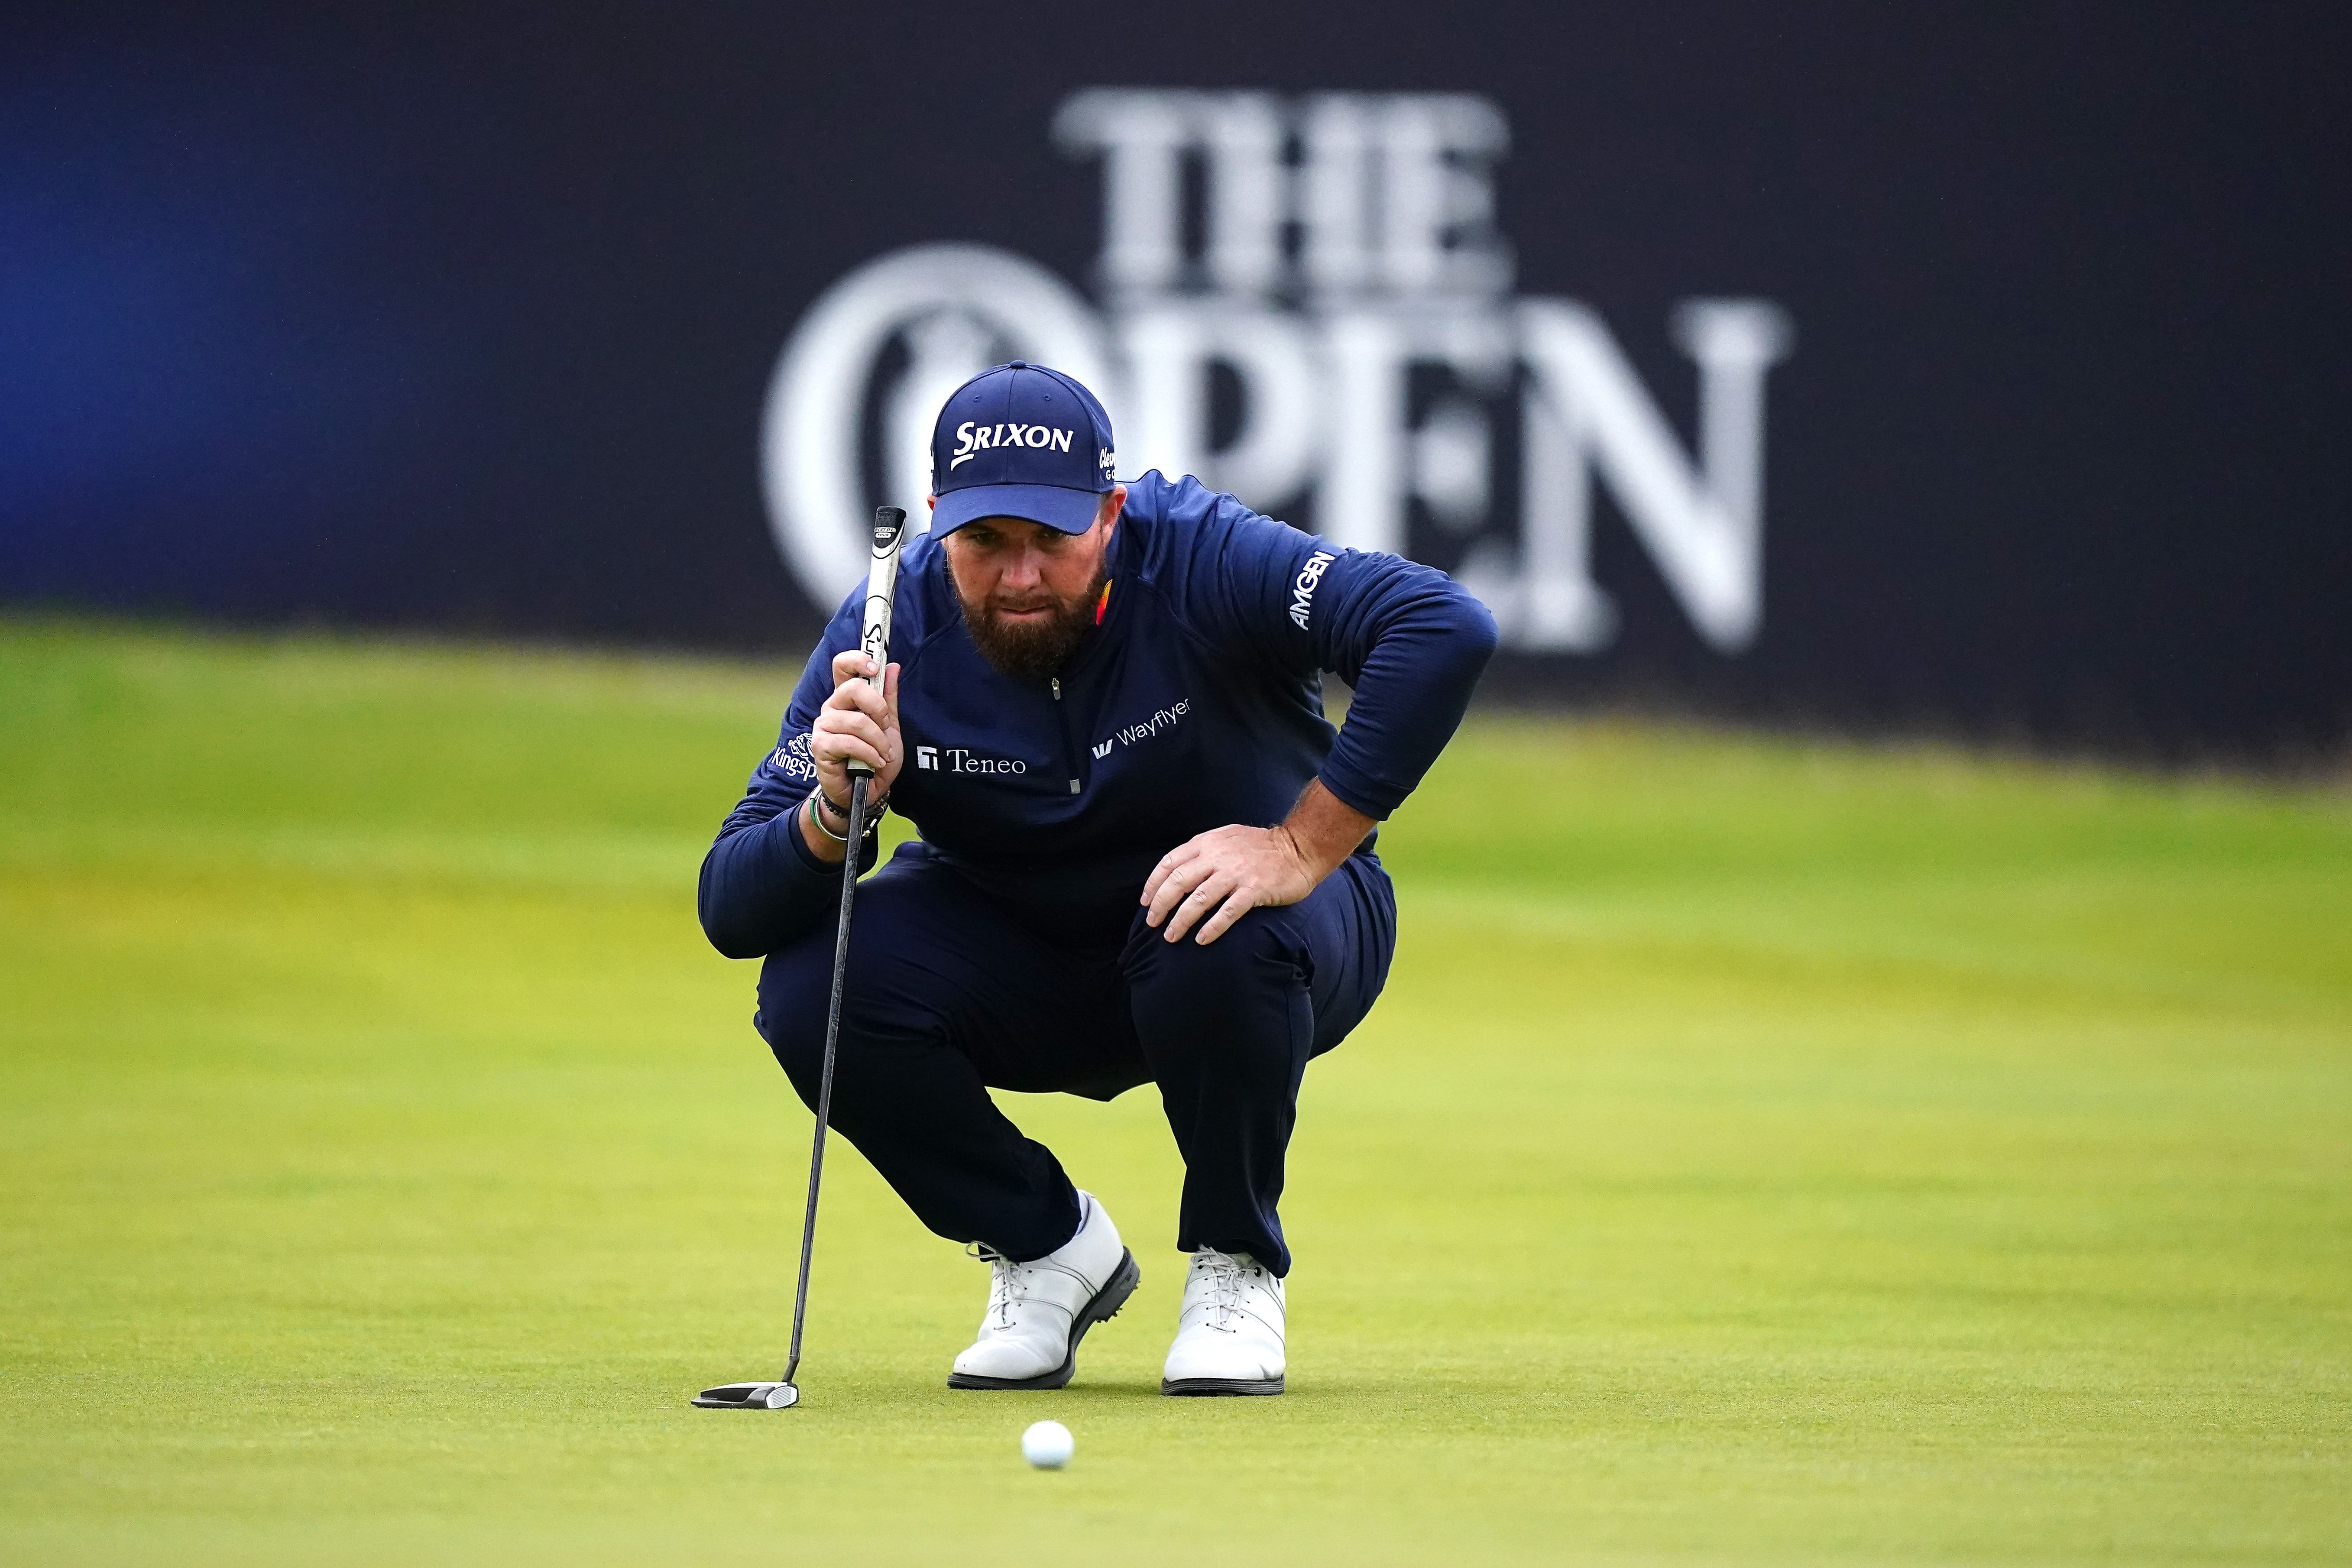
1258	943
1225	993
795	990
883	1006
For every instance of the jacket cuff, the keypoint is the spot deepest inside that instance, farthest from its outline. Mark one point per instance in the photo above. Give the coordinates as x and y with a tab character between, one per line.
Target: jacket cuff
1359	791
806	858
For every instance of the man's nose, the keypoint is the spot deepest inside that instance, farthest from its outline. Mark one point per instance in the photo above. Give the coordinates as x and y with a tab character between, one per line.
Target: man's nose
1024	567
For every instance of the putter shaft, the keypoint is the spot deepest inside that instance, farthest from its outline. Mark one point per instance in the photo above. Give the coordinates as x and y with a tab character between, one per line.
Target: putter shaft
824	1077
890	526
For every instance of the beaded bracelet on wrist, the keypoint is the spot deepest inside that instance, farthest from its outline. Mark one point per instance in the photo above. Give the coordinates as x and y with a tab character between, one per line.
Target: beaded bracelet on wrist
819	803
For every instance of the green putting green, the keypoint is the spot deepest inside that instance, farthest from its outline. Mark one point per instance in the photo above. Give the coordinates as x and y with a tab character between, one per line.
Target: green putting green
1767	1151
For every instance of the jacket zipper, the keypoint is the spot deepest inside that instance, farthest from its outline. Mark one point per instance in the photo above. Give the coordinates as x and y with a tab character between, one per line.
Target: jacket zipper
1061	718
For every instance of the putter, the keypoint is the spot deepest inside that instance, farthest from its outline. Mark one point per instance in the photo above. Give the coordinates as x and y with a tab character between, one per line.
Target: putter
881	583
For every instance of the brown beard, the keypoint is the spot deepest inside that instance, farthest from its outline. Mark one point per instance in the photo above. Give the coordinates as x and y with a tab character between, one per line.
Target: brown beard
1033	652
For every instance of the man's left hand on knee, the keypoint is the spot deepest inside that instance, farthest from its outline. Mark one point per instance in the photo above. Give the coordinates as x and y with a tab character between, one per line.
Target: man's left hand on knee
1225	873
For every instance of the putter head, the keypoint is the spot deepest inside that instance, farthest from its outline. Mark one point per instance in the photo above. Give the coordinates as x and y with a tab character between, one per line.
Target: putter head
747	1397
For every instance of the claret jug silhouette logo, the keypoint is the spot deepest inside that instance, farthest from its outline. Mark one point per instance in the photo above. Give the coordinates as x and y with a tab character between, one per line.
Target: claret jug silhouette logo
1308	302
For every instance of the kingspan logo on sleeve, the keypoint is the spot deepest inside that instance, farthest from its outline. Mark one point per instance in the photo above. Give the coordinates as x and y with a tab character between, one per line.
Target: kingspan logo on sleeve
792	759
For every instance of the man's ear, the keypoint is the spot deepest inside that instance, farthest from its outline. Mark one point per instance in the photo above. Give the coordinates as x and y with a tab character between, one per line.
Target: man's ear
1114	500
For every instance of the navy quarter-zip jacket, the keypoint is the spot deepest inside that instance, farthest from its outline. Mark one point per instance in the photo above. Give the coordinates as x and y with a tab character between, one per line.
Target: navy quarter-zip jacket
1194	704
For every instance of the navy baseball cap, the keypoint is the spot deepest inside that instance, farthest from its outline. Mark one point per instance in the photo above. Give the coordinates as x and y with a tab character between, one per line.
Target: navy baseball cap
1021	441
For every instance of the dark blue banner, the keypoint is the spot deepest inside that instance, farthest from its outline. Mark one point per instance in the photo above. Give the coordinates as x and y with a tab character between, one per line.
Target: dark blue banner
1969	371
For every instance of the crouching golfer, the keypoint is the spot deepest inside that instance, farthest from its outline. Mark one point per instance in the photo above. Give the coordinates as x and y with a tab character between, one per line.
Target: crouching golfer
1146	857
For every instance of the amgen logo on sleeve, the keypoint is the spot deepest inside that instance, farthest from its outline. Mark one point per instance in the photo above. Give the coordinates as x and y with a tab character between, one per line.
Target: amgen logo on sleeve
1350	284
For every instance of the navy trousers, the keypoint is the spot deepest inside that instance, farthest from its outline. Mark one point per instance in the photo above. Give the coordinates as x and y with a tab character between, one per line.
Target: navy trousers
951	993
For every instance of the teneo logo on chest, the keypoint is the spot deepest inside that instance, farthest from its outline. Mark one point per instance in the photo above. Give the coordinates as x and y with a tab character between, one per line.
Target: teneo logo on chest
1302	588
971	439
961	760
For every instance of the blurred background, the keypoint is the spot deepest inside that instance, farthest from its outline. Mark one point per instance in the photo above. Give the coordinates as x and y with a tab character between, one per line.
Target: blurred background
2021	327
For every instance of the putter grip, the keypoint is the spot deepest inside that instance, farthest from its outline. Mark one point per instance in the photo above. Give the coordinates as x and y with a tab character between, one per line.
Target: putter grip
881	585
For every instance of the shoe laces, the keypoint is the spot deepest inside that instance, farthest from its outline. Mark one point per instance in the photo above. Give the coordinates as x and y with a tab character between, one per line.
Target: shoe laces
1222	1275
1006	1284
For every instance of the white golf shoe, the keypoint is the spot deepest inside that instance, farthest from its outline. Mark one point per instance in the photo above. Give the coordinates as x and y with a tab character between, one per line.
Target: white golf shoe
1039	1310
1229	1330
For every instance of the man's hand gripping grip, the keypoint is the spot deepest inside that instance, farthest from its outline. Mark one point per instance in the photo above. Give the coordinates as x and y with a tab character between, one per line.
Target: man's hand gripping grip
881	585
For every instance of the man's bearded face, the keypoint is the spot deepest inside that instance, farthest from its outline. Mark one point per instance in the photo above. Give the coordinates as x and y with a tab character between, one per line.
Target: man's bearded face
1028	591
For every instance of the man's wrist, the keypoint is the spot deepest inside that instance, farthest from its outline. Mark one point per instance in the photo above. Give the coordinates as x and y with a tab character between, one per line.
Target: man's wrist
1323	830
1298	854
825	814
1310	866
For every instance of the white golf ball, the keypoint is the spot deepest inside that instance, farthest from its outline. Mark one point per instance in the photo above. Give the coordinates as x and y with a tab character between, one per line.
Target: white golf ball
1047	1445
